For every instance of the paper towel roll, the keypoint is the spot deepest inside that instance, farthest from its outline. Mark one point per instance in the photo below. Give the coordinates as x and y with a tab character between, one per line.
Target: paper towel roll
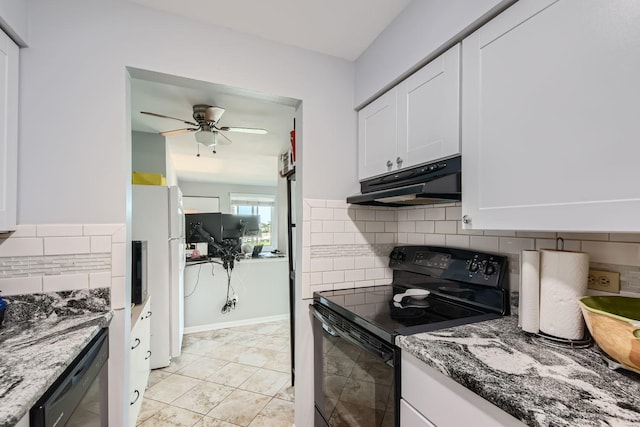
563	278
530	291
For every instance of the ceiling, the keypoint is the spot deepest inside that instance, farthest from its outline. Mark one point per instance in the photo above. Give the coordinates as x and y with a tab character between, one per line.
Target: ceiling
333	27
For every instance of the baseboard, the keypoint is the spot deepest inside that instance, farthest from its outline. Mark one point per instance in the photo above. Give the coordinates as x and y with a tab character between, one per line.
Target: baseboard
234	323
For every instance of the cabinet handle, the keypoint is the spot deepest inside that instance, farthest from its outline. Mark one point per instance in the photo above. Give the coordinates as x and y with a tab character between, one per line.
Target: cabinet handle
399	161
148	314
389	163
466	219
136	344
137	397
148	355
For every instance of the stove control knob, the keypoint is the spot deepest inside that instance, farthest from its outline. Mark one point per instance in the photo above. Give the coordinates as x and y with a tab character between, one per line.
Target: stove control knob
489	269
473	267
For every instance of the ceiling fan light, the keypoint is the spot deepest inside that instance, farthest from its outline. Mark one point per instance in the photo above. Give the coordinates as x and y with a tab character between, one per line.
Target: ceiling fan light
246	130
206	138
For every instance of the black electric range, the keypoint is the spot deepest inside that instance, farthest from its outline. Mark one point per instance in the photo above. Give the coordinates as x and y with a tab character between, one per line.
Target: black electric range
463	287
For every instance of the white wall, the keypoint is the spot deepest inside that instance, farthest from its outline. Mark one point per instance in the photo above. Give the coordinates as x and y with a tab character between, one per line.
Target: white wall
75	71
223	190
424	27
149	153
14	20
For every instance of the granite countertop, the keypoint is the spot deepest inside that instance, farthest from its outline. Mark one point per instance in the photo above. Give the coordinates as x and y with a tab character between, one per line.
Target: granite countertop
537	384
40	337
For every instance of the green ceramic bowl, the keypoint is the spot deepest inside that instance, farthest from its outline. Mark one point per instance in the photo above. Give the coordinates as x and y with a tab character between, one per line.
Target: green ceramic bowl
614	323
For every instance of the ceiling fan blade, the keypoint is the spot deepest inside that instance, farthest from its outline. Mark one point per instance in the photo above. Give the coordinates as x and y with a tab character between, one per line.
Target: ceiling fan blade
222	141
178	131
244	130
168	117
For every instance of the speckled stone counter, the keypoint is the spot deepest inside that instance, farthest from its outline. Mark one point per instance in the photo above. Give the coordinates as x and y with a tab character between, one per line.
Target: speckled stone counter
40	337
539	385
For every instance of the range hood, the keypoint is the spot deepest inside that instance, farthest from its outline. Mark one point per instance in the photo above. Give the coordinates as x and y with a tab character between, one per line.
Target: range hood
437	182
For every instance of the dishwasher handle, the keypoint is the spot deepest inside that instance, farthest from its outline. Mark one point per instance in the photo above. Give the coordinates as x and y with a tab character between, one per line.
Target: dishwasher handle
386	355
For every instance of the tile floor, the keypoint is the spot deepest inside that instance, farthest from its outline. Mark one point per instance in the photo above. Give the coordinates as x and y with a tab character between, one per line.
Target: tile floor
225	378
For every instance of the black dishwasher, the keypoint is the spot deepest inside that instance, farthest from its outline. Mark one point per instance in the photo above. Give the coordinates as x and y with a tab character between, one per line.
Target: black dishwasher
79	396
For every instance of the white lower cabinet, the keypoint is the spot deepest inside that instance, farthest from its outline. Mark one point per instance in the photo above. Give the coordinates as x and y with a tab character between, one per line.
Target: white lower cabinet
550	118
431	399
140	357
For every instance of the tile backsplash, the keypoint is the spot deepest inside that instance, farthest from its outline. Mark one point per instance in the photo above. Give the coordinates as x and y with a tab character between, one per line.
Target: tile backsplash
347	245
45	258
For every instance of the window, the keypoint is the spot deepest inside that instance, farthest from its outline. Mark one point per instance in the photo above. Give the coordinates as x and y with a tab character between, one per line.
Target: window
258	204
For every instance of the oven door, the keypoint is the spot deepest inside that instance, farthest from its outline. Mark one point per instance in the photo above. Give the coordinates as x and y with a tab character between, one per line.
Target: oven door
355	379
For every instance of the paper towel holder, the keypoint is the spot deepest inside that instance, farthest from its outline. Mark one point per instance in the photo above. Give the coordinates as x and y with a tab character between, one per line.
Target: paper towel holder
556	342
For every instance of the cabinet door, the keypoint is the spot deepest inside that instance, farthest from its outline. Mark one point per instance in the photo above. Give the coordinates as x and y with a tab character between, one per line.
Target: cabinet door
550	117
429	111
409	417
377	136
139	357
8	132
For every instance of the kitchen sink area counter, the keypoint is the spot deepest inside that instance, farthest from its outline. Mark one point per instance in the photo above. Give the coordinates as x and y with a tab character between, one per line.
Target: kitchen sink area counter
535	383
40	336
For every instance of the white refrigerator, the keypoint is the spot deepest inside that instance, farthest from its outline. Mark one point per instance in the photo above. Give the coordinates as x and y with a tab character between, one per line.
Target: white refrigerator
158	217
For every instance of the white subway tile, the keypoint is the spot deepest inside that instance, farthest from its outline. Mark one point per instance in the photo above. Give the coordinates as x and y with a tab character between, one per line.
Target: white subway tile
59	230
585	236
446	227
402	215
100	244
332	276
354	275
624	237
67	245
435	214
316	226
407	227
321	213
374	227
26	230
100	229
306	210
354	226
306	233
336	204
381	261
306	258
364	262
569	245
318	288
343	238
364	238
402	238
415	238
364	283
453	213
613	252
415	214
500	233
380	282
344	263
65	282
341	215
457	241
314	278
118	257
120	235
434	239
425	226
391	227
484	243
365	215
320	264
385	238
469	232
20	285
332	226
515	245
316	203
321	239
100	279
536	234
385	215
374	273
21	246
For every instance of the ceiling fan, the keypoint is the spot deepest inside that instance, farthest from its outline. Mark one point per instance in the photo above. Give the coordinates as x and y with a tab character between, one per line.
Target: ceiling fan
206	125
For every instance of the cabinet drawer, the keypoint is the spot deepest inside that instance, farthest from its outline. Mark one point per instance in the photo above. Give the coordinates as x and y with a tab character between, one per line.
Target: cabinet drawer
409	417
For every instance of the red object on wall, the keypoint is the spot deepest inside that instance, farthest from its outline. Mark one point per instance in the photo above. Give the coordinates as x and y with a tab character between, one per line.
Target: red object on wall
293	144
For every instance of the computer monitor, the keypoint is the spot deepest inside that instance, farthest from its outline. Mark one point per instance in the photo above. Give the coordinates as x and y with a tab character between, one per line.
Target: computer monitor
237	226
210	223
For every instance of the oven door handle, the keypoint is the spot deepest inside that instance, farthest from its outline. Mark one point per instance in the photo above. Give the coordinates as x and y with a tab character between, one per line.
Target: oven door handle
386	356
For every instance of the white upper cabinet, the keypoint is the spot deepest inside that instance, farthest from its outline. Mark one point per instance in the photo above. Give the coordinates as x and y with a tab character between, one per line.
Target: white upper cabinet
8	132
429	111
377	135
415	122
550	114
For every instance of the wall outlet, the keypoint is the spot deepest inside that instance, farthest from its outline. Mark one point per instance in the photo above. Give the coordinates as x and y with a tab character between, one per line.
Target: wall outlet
607	281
